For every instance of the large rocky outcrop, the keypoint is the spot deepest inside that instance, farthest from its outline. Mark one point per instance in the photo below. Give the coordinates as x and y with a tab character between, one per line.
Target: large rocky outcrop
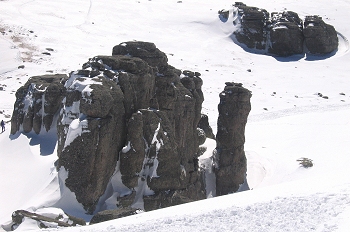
132	108
129	130
37	103
91	132
282	33
231	163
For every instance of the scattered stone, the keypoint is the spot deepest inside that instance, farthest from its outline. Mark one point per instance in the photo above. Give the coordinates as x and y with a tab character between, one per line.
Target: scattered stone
21	67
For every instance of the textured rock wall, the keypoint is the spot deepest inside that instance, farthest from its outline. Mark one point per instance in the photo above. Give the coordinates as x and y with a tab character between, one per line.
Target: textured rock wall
37	103
134	115
231	163
91	132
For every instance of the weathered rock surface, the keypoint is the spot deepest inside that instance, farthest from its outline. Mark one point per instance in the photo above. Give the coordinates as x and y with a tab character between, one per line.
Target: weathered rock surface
37	103
132	99
91	132
132	125
253	21
231	162
320	38
204	125
282	33
286	34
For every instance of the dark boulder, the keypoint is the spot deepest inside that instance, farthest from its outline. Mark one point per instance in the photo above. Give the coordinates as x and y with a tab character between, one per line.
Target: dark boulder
252	31
145	51
286	34
320	38
231	162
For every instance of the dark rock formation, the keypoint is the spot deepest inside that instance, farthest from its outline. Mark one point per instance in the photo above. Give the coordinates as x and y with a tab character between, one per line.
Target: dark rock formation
320	38
282	34
253	21
107	215
286	34
37	103
204	125
145	51
91	132
134	116
231	162
132	99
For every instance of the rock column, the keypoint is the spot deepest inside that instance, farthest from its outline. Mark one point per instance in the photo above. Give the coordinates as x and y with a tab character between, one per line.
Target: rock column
231	163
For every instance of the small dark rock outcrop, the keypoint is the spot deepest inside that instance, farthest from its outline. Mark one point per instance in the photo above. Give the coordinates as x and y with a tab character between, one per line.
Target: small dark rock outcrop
37	103
285	34
320	38
253	26
204	125
231	162
282	33
107	215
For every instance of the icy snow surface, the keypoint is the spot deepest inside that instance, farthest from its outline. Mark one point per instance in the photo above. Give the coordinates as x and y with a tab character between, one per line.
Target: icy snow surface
289	119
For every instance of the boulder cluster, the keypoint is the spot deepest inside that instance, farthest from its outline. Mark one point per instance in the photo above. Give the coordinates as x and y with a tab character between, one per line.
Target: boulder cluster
282	33
135	116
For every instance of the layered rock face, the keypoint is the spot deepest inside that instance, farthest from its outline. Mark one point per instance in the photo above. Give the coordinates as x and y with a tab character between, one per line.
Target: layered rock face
231	162
282	34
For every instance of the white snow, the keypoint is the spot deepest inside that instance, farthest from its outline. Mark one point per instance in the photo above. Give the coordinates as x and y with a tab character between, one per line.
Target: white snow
288	120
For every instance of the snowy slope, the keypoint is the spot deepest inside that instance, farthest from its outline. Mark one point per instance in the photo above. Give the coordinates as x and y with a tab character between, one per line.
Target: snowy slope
288	119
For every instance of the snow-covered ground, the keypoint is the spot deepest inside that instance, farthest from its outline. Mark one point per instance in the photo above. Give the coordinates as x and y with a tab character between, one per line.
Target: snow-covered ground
289	119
